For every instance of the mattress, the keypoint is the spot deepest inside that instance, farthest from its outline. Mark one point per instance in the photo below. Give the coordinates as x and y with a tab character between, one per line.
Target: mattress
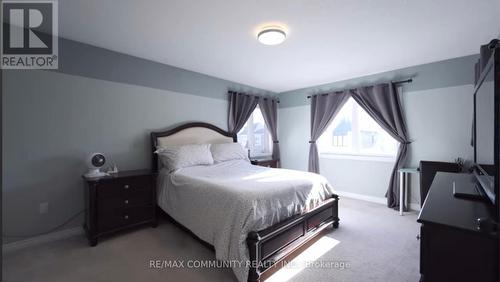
222	203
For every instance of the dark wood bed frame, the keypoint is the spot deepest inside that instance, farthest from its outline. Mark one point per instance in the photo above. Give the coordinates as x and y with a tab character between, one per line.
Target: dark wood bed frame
269	249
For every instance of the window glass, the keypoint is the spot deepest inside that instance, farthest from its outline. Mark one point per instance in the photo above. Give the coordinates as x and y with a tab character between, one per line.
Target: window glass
255	136
354	132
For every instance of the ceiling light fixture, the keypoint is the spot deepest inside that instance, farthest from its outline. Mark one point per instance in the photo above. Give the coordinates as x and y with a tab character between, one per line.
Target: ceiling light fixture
272	35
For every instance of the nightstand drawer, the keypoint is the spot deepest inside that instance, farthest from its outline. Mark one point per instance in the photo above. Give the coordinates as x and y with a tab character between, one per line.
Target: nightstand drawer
115	202
124	186
124	201
124	216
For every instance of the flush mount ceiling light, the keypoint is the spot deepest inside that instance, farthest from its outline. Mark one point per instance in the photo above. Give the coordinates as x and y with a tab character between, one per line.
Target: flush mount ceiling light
273	35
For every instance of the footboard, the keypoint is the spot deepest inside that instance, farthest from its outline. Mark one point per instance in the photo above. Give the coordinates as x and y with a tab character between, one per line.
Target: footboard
272	245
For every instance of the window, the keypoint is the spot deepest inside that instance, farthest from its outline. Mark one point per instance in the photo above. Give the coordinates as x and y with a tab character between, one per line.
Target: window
255	136
354	132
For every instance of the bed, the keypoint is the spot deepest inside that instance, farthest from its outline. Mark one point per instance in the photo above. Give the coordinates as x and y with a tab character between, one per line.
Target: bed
254	217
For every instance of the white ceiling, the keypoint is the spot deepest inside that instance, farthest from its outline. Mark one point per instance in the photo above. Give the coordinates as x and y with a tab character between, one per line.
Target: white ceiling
328	40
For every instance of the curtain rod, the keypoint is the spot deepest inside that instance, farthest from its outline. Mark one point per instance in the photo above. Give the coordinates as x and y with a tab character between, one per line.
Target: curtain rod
409	80
264	98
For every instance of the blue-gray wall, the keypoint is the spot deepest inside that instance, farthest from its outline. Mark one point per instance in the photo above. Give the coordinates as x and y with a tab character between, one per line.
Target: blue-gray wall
89	61
457	71
98	101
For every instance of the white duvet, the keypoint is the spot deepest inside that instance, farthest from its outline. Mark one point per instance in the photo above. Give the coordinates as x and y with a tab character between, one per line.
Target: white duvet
222	203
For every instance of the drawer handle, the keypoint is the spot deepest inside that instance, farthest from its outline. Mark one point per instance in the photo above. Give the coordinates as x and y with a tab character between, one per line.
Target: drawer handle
126	216
126	186
418	237
126	201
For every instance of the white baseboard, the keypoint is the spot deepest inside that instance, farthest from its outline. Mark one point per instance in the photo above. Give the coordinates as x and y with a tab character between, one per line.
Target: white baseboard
378	200
373	199
33	241
414	207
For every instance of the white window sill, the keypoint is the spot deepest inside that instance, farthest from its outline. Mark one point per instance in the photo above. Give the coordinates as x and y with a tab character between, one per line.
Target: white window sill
373	158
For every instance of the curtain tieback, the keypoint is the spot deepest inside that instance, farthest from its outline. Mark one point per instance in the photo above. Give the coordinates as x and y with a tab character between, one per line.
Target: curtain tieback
312	142
276	142
406	143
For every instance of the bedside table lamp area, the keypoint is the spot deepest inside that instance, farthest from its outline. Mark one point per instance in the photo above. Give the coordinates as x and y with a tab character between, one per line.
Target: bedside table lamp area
119	201
262	161
267	162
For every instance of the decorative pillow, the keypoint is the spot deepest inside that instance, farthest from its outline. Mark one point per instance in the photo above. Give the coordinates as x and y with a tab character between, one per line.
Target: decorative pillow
175	157
228	151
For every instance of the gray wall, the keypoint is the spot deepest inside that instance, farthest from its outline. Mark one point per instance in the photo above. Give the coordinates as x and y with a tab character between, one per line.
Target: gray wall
438	110
85	60
53	119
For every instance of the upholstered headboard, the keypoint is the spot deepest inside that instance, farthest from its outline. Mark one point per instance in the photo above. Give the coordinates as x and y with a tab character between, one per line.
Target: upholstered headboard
189	133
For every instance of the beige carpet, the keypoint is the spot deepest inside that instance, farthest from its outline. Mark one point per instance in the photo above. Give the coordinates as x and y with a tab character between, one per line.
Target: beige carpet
373	243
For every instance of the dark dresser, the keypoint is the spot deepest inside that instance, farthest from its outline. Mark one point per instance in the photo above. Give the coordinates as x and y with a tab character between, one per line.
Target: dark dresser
454	245
118	202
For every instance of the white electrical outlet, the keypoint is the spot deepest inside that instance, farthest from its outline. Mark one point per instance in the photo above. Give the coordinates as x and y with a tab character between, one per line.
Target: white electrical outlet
44	207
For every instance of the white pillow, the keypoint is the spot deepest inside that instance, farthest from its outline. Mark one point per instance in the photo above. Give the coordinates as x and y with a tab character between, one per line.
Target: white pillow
175	157
228	151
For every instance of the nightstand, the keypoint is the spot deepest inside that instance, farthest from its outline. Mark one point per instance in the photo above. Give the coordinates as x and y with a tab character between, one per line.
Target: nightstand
119	201
265	162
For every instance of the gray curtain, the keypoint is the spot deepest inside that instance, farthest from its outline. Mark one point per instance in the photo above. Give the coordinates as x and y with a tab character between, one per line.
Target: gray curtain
269	109
382	103
324	107
241	106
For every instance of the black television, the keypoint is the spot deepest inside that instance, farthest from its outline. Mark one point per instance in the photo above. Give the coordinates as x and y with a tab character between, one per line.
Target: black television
487	131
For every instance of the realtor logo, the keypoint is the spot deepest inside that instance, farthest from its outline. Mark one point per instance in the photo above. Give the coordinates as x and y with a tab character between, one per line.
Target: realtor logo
29	35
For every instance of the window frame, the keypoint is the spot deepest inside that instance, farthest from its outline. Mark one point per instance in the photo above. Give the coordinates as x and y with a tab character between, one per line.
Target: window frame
355	153
251	140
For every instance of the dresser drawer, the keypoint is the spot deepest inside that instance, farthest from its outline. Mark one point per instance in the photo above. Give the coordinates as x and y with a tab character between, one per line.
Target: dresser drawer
144	198
124	187
124	216
118	201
